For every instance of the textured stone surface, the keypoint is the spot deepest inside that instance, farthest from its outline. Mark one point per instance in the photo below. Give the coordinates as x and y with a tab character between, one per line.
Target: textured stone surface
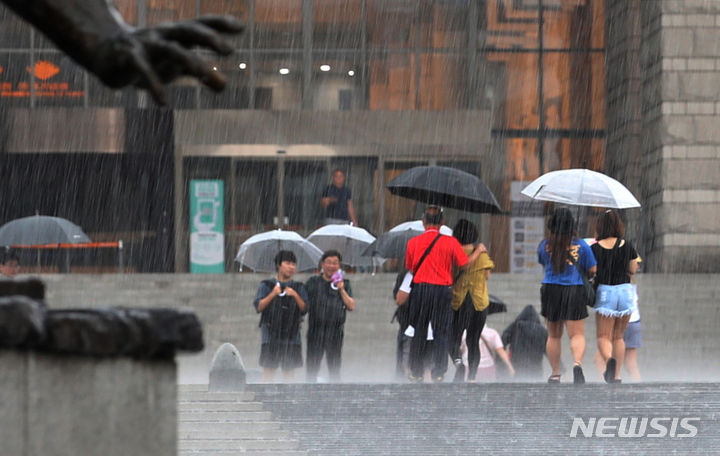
227	372
59	405
513	419
21	321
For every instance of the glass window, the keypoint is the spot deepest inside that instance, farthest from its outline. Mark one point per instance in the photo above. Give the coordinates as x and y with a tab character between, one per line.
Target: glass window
390	23
102	96
337	24
128	9
278	24
14	79
256	194
508	24
515	96
573	25
278	81
14	32
391	81
336	81
443	82
170	10
304	184
59	81
574	90
443	24
236	94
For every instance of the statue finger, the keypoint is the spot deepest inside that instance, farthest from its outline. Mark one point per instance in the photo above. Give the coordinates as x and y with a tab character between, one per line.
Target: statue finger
195	34
186	63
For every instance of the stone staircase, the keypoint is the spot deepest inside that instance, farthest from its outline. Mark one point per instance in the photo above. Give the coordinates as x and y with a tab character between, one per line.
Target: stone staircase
451	419
229	424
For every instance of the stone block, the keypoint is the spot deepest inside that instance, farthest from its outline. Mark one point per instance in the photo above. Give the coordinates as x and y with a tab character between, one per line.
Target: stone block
692	174
707	130
677	42
701	64
706	43
699	86
678	130
227	372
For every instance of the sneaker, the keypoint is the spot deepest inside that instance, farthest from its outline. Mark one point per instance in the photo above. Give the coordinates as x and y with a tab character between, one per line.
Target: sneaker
609	374
414	379
554	378
578	376
438	379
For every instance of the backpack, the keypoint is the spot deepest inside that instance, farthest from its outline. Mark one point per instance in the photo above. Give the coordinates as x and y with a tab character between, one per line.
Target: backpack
282	316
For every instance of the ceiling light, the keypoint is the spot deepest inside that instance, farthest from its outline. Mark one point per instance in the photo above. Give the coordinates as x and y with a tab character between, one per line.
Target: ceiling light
284	71
324	67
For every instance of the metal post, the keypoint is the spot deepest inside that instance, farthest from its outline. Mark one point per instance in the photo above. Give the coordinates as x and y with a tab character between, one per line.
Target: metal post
120	257
281	192
307	60
381	194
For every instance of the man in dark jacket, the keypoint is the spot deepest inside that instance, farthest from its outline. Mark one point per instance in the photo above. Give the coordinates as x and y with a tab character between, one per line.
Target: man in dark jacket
329	298
526	338
282	303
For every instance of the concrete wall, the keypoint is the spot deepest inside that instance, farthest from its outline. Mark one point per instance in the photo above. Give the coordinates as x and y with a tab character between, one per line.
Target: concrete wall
680	317
69	405
663	78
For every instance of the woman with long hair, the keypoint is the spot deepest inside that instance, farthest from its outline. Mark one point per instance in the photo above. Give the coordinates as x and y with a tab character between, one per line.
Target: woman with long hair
564	257
470	302
615	298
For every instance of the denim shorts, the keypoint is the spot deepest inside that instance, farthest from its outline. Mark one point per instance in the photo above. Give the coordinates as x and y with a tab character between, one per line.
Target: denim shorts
615	300
633	335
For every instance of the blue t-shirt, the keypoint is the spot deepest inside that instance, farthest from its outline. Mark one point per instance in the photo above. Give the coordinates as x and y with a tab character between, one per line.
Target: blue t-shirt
581	253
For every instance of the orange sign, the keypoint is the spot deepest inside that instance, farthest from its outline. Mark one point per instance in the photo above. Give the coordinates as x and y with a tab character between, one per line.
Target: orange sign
1	69
43	70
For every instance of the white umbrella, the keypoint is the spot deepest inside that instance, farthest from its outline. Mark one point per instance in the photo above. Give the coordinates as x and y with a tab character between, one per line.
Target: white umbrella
581	187
417	225
258	251
349	240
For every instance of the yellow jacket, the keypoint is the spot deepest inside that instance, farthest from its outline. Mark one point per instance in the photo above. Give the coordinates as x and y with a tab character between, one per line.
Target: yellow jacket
473	281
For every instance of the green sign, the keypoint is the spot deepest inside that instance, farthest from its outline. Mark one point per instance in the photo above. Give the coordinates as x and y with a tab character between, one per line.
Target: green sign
207	227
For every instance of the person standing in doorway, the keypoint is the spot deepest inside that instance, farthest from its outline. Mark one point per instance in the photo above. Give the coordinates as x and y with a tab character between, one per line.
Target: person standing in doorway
282	303
329	298
431	257
337	201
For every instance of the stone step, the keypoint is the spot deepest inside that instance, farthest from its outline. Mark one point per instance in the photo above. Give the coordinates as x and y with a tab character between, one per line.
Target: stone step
245	431
207	406
205	396
227	444
245	453
235	416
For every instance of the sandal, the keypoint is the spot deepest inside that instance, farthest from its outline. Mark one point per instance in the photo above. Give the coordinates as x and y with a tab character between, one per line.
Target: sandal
554	378
610	367
578	376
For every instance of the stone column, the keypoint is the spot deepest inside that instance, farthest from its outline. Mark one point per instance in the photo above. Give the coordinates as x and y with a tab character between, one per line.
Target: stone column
664	125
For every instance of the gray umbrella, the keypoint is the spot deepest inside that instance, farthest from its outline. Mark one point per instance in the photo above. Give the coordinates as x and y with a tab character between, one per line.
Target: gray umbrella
41	229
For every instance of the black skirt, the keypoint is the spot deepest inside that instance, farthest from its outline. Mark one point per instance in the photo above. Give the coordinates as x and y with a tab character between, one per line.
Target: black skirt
562	302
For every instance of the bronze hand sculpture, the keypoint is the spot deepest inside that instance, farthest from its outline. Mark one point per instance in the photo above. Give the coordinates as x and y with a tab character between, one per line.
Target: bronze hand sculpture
94	34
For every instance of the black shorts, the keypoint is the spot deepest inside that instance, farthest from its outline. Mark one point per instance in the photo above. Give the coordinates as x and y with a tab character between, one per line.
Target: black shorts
562	302
281	354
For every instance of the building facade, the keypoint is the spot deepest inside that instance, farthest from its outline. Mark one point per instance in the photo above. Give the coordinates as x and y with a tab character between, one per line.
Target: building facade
504	89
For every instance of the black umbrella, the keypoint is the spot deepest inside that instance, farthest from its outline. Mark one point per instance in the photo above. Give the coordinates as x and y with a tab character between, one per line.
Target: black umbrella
446	187
41	229
392	244
496	305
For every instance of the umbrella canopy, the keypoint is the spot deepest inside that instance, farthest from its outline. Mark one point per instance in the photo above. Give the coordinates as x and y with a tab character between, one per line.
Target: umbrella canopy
41	229
258	251
393	243
447	187
496	305
581	187
350	241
